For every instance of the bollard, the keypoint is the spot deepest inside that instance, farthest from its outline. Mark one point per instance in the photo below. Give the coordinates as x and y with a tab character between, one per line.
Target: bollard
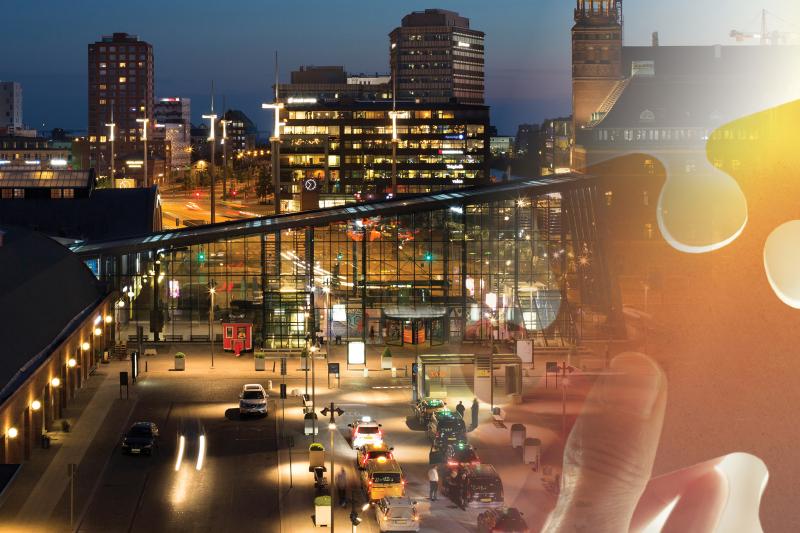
394	372
269	384
145	366
366	372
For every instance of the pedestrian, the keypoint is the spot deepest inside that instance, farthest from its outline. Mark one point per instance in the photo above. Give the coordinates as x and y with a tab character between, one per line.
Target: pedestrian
460	408
433	479
372	334
475	407
341	487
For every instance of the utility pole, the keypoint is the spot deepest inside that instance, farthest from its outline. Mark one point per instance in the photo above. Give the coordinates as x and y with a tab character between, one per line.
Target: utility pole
395	140
211	291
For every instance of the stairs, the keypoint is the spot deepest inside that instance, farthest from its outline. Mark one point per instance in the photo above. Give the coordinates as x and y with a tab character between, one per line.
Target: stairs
609	103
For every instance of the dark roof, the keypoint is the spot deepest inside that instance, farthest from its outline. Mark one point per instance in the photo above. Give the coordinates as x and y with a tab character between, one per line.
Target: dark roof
45	178
703	86
105	214
321	217
38	271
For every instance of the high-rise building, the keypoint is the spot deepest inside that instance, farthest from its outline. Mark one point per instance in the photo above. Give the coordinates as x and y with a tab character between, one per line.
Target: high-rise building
241	131
341	152
120	86
435	56
173	116
10	106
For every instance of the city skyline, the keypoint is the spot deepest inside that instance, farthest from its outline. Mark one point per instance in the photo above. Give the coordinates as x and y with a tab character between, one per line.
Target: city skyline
518	89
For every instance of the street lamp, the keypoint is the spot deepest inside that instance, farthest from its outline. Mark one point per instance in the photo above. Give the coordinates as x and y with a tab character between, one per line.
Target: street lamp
333	411
55	382
143	122
212	118
12	432
111	125
36	405
211	291
275	142
224	154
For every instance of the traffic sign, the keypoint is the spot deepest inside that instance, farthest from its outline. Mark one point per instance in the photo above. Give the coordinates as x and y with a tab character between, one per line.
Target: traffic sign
333	368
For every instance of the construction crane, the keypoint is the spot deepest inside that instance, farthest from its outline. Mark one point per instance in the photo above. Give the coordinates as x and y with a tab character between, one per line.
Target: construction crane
765	37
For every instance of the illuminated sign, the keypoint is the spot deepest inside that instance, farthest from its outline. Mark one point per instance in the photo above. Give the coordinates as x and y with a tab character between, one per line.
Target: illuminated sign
172	99
356	353
295	100
451	152
459	137
458	182
310	185
58	162
34	162
462	44
455	167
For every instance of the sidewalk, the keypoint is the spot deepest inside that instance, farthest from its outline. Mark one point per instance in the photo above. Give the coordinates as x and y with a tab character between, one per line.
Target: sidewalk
32	502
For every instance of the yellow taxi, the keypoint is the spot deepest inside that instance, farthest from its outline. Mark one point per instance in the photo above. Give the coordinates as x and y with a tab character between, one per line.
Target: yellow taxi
382	478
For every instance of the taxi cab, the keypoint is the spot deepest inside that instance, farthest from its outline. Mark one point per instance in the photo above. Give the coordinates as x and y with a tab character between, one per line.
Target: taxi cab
425	407
370	452
382	478
365	431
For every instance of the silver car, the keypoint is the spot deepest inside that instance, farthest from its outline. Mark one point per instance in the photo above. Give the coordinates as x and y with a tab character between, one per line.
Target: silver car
253	400
397	514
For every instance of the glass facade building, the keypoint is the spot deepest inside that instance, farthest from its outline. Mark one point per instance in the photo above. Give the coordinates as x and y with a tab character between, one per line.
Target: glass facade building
507	261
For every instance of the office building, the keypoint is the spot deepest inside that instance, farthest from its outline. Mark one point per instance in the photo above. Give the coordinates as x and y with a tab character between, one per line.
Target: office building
10	106
173	117
501	146
241	132
33	153
342	151
330	83
435	57
556	146
120	91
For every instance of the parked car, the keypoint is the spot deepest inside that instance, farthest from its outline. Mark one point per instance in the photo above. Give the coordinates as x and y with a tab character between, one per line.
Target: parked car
502	521
371	452
140	439
397	514
446	427
460	454
425	407
253	400
365	431
474	486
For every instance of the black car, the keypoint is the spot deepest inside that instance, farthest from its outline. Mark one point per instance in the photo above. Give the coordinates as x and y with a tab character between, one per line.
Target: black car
446	427
474	486
140	439
502	521
459	454
425	407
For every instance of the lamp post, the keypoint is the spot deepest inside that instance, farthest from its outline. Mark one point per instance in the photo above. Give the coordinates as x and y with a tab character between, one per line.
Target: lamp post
333	411
111	125
212	138
143	122
224	123
211	291
275	142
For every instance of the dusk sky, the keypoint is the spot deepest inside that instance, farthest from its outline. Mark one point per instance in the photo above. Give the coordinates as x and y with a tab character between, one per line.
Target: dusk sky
233	42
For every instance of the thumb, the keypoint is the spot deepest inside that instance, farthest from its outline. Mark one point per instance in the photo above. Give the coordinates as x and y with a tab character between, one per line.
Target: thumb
609	454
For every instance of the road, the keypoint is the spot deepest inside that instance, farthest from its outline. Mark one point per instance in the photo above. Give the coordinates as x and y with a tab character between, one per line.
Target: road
230	492
182	206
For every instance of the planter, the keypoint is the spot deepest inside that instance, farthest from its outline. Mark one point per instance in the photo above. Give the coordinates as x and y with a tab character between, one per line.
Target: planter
386	360
322	511
260	363
180	361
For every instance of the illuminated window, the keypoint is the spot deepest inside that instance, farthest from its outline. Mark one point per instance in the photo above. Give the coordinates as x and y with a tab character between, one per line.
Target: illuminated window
609	198
102	138
69	193
645	198
102	65
102	101
92	138
19	193
648	231
122	64
55	193
123	79
103	87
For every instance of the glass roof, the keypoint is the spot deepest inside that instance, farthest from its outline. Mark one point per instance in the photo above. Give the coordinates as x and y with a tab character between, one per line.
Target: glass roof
35	178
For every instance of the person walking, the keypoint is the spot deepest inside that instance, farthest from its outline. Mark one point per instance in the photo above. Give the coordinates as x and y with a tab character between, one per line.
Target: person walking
460	409
341	487
372	334
475	408
433	479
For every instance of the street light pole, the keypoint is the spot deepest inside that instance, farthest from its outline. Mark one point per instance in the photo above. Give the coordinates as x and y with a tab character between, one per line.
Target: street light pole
212	138
144	122
212	291
111	125
275	142
333	411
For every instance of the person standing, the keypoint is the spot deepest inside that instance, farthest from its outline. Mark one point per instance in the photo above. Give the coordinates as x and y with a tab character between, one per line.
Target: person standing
433	479
460	409
475	408
341	487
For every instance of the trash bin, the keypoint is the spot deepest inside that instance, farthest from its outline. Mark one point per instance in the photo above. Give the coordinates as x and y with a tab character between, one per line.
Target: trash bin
531	452
45	442
517	435
310	428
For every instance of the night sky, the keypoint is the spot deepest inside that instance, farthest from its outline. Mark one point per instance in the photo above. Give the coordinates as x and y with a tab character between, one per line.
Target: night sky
44	45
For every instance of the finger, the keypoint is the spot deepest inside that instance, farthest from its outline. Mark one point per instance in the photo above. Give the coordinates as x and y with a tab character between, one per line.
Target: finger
608	458
663	490
699	508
